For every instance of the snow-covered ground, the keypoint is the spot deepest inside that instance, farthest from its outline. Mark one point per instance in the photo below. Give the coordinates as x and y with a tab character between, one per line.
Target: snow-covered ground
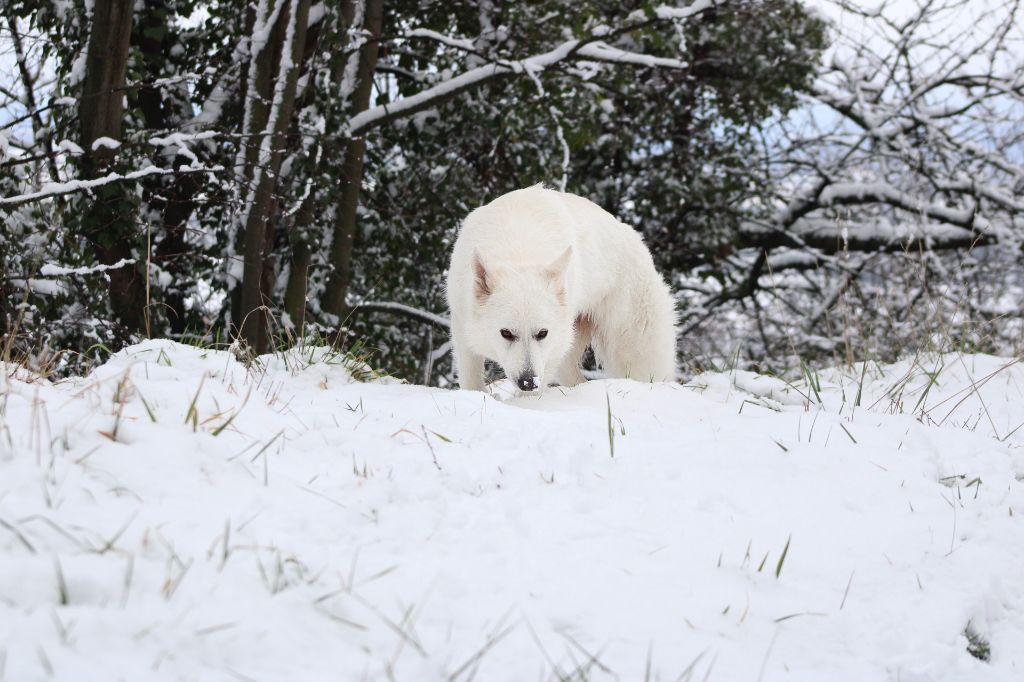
175	516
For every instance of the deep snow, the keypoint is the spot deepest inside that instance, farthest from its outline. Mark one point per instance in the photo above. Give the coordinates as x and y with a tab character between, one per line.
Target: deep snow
336	530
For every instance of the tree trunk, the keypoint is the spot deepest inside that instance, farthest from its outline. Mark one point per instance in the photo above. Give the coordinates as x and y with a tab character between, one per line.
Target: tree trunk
299	229
345	224
108	219
298	272
268	277
344	232
269	109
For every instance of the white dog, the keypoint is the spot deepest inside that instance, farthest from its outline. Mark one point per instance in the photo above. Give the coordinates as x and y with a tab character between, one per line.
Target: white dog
538	275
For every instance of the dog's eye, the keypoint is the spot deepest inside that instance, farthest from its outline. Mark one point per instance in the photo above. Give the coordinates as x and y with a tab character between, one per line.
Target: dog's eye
541	334
508	335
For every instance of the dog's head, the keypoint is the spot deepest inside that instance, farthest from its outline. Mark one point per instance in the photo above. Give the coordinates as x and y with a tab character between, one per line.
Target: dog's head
522	318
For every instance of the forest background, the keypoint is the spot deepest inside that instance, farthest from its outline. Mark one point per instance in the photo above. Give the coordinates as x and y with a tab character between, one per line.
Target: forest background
819	182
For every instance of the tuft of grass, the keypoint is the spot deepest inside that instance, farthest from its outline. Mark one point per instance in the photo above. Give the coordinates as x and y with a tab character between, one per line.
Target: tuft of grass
472	663
193	414
813	380
62	585
99	347
846	592
360	473
149	409
313	347
782	559
977	645
227	422
225	551
426	439
109	544
172	582
44	660
18	534
122	393
31	359
446	439
860	383
933	379
845	430
112	434
262	451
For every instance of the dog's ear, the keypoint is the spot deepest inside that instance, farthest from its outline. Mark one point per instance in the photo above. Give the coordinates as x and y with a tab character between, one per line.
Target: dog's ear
555	272
481	279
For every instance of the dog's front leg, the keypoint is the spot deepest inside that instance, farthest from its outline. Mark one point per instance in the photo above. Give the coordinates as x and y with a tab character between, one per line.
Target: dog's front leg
570	372
469	367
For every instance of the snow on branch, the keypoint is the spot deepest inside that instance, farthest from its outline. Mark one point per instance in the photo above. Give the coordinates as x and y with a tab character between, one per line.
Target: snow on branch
829	236
54	189
408	311
458	43
603	52
680	13
50	270
385	113
593	48
845	193
909	135
899	180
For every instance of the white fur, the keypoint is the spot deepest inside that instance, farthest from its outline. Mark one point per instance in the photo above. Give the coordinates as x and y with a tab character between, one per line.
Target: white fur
538	259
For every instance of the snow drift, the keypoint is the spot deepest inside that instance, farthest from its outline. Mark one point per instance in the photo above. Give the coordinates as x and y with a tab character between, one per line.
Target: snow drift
176	515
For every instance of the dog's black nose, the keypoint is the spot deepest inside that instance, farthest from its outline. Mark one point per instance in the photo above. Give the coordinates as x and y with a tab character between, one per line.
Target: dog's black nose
525	383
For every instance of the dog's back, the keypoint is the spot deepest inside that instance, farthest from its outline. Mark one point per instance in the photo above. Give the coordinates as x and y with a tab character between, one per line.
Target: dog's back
522	227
